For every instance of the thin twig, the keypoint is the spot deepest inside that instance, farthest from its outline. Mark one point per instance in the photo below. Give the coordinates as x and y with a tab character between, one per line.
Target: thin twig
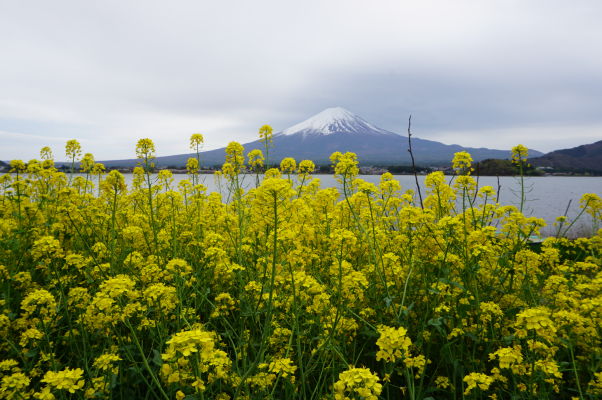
412	157
476	191
566	213
499	189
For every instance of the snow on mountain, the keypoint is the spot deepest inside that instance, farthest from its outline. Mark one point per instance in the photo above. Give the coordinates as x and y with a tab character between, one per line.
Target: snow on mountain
336	129
334	120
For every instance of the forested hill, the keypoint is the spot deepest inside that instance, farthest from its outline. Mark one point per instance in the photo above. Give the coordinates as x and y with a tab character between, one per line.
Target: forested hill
584	158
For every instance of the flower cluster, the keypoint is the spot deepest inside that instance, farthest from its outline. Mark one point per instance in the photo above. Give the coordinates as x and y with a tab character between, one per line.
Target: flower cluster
357	382
150	285
393	343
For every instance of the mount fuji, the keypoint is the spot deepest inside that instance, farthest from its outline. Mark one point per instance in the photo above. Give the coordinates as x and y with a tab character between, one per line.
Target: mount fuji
332	121
337	129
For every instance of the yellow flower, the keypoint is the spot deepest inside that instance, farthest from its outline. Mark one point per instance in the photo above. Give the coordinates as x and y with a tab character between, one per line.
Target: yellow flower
179	267
46	153
67	379
192	165
536	319
87	163
419	362
73	149
255	158
345	165
442	382
306	167
14	384
595	385
592	204
273	173
145	149
357	381
486	191
489	311
288	165
161	296
475	379
519	154
30	335
234	155
39	300
548	367
46	248
17	166
509	358
224	303
105	362
393	343
462	163
266	134
44	394
114	182
198	346
284	367
189	342
196	141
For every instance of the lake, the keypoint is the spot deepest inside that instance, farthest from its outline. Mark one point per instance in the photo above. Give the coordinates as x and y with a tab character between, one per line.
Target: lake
547	197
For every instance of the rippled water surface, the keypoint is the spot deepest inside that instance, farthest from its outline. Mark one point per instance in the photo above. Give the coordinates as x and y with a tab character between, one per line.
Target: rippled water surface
547	197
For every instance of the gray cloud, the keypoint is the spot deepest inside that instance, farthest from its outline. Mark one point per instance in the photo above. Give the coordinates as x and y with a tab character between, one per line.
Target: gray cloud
471	72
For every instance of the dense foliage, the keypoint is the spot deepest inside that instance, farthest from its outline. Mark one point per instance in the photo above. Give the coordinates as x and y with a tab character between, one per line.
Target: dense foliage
287	290
495	167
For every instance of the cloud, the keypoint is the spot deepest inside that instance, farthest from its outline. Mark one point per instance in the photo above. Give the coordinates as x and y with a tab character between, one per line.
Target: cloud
16	142
538	137
111	72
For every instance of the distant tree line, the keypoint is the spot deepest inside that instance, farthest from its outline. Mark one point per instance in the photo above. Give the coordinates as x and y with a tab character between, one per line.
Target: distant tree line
497	167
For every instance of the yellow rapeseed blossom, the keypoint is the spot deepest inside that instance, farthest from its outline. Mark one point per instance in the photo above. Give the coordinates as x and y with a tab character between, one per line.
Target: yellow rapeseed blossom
268	289
509	358
595	385
105	361
178	267
288	165
283	367
86	163
14	385
46	153
192	165
477	380
68	379
255	158
462	163
266	133
196	141
234	155
536	319
73	149
393	343
442	382
519	154
345	165
145	149
46	248
306	167
39	302
357	382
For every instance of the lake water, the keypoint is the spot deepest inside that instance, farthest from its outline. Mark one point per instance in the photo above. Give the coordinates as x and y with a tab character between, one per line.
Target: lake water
547	197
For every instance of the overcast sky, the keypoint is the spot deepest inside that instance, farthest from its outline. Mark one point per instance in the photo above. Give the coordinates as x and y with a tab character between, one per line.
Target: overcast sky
476	73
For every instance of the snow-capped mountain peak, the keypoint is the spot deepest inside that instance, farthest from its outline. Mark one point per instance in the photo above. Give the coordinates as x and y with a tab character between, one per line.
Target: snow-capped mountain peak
333	120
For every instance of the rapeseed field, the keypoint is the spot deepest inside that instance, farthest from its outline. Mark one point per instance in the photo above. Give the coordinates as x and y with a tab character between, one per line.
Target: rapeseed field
287	290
